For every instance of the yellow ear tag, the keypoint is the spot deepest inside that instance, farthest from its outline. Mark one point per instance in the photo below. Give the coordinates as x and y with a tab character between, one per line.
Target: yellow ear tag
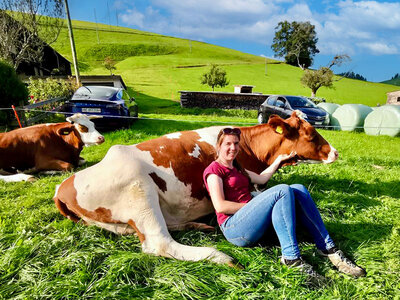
279	129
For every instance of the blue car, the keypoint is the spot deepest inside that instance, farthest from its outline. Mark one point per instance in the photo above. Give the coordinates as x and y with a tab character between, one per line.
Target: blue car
112	104
284	106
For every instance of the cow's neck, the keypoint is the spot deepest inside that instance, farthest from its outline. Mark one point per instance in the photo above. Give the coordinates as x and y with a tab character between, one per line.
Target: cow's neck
246	157
259	148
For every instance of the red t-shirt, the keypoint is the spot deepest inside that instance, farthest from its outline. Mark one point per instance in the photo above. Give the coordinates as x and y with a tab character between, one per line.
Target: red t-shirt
236	185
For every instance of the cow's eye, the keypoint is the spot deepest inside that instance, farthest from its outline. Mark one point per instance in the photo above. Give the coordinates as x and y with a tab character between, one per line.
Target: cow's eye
83	128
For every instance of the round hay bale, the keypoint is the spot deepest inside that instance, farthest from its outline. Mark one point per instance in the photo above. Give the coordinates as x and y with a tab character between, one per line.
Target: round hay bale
328	107
384	120
349	117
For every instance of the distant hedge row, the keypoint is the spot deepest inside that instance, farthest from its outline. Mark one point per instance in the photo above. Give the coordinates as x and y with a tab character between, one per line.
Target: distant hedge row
122	51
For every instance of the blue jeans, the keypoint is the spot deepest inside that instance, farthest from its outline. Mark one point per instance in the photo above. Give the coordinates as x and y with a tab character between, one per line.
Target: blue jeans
278	206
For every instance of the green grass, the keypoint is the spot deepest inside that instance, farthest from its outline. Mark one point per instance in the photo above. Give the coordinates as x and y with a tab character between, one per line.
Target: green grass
45	256
160	66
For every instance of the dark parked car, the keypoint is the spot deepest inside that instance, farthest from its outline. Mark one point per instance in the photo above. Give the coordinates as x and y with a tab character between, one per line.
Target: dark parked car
283	106
111	103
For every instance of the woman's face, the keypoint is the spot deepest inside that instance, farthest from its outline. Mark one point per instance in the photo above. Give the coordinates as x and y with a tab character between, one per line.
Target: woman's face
229	147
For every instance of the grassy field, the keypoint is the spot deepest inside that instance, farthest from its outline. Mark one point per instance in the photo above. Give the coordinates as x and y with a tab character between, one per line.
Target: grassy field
160	66
45	256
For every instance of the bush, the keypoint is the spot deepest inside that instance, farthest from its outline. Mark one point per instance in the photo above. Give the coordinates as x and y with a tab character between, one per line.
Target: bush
122	51
44	89
12	89
12	92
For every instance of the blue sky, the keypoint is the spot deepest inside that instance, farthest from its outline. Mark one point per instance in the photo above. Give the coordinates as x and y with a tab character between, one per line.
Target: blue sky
368	31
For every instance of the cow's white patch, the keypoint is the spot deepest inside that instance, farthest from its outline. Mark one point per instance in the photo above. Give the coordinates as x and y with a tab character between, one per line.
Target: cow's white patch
332	156
196	151
175	135
92	136
162	147
209	135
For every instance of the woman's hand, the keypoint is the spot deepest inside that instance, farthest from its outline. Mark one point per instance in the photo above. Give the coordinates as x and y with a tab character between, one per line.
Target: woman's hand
284	157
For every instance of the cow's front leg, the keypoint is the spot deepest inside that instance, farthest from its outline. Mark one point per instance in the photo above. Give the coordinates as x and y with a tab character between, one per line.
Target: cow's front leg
43	164
147	220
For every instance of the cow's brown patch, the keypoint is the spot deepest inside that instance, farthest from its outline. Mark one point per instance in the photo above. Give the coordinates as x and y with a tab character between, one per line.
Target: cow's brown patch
71	209
174	153
140	234
162	185
83	128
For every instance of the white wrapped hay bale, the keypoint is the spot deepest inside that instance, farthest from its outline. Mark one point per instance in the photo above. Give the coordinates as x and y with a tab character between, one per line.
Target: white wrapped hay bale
350	117
384	120
329	108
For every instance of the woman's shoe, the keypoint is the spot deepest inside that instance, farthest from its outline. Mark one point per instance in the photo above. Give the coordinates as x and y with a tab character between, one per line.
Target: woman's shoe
342	263
305	268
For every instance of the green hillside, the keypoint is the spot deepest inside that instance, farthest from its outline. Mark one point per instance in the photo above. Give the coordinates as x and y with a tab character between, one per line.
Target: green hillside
156	67
395	81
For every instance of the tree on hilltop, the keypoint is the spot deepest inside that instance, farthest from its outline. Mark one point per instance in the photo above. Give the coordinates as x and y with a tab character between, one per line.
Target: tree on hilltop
314	79
296	42
26	26
109	64
216	76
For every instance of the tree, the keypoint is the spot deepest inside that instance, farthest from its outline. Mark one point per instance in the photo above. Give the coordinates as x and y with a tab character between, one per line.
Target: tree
296	42
215	77
324	75
315	79
109	64
353	75
26	26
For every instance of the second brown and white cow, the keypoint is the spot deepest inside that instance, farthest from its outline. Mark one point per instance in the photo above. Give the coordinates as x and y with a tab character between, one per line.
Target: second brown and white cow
157	185
46	147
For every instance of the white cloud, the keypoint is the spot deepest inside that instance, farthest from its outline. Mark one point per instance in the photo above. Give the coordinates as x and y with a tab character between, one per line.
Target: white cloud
133	18
380	48
343	27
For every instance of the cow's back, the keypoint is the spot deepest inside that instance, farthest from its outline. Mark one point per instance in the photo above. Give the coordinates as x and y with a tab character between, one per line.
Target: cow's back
171	165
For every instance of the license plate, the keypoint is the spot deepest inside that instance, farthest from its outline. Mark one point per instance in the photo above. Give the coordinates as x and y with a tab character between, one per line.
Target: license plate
91	110
318	123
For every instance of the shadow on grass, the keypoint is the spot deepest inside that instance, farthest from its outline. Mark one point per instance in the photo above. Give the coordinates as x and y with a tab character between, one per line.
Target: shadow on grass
322	183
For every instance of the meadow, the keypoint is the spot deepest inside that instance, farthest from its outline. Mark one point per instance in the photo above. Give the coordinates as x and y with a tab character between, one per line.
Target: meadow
160	66
46	256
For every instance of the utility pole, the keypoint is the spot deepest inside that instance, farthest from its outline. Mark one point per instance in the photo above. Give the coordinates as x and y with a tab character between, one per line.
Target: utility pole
265	66
97	30
71	38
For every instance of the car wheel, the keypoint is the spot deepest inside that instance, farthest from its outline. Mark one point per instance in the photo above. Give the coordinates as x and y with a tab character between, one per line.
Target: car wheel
260	118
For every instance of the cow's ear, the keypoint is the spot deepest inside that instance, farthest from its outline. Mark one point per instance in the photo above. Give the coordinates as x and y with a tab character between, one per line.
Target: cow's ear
310	132
278	125
65	131
295	120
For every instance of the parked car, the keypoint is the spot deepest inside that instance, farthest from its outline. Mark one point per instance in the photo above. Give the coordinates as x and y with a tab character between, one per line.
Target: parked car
284	106
110	103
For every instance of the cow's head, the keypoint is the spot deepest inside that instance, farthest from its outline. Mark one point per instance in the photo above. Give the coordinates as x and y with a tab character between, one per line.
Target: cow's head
296	134
88	133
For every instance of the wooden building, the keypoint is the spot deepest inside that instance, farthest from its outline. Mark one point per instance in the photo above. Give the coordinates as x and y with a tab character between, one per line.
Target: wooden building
393	98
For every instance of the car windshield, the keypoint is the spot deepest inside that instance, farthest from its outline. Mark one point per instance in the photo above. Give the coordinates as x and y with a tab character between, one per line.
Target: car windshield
95	92
300	102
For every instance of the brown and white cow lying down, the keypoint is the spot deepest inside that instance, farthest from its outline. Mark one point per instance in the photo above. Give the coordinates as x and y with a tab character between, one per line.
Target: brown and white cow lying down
157	185
46	147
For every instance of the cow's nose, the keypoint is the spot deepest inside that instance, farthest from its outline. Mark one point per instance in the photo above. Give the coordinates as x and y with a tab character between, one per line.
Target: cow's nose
100	139
336	153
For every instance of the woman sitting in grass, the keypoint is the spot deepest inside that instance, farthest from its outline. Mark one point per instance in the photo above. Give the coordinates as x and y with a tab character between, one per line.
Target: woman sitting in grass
244	220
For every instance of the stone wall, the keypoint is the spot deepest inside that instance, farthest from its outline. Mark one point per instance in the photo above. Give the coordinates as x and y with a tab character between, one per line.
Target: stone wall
222	100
